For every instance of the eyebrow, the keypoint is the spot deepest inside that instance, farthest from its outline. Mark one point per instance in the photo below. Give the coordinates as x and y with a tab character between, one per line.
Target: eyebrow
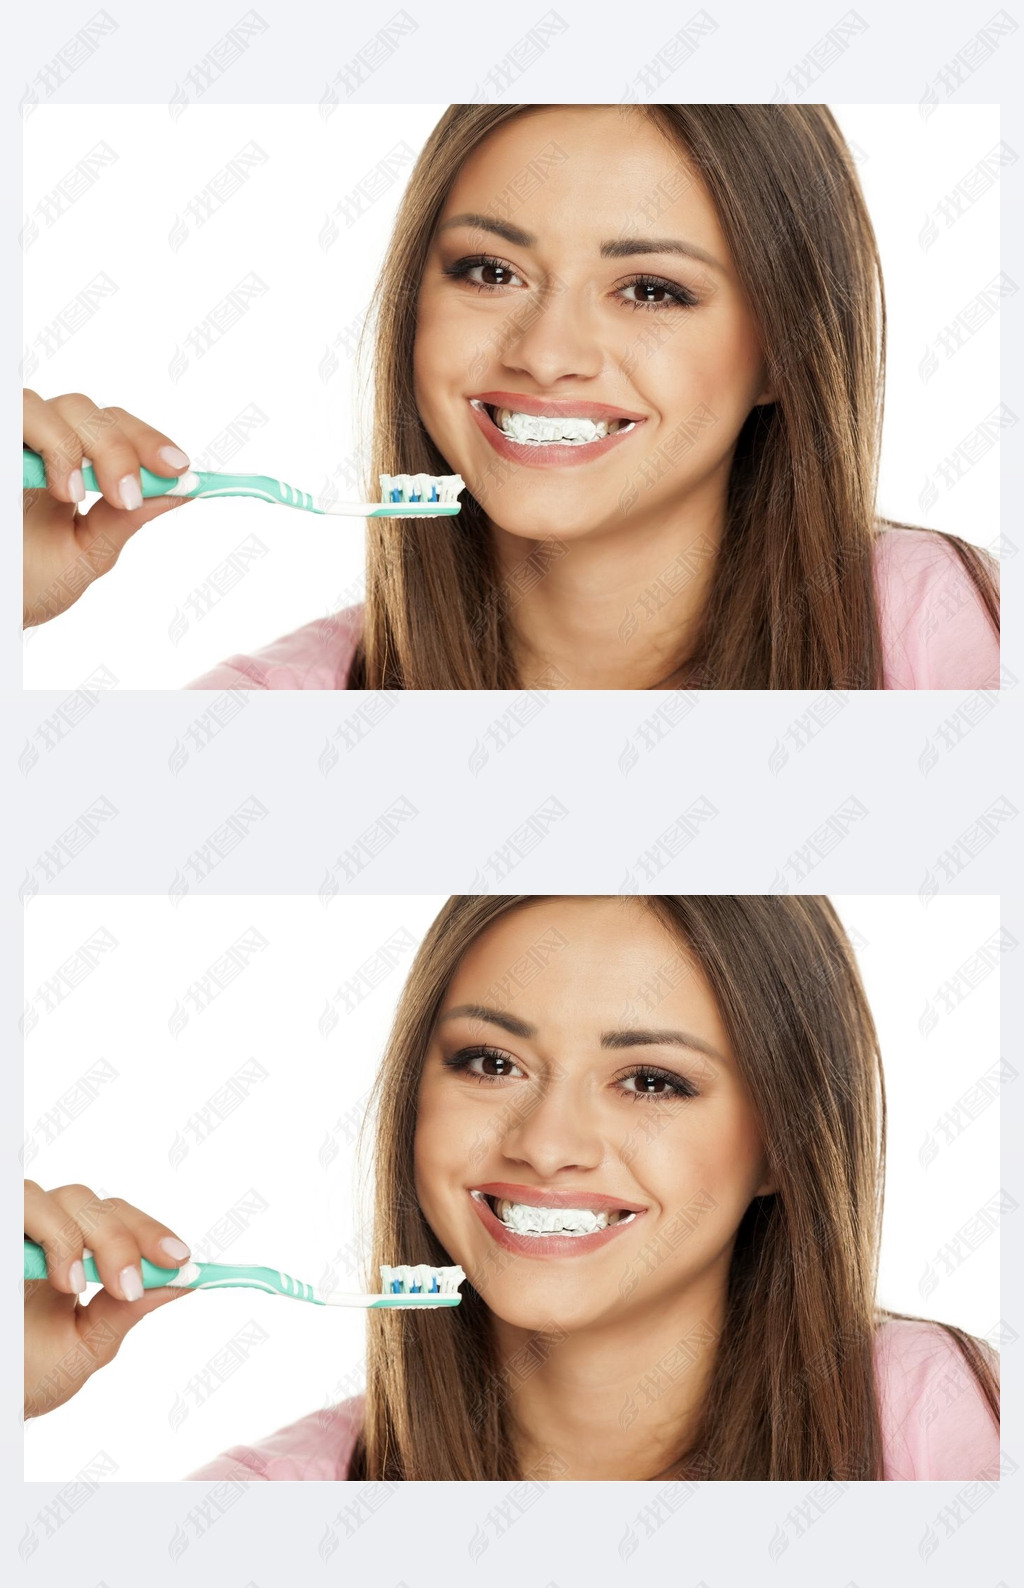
493	1017
617	248
635	1038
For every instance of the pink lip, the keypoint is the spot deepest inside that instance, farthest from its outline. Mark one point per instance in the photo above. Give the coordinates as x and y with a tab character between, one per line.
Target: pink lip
547	1245
534	1197
555	456
548	408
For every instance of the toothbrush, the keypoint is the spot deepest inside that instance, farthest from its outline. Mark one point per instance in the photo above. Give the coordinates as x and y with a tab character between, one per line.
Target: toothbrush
402	495
409	1285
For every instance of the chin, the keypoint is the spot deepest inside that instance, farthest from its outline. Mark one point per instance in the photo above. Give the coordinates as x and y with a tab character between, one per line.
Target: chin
542	1306
546	523
542	527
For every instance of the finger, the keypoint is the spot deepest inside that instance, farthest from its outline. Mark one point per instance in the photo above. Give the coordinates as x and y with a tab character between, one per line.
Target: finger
111	1241
114	459
103	531
51	435
60	1236
156	1241
154	449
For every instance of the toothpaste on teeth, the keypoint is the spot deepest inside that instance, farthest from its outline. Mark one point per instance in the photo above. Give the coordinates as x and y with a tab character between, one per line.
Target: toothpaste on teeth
526	1220
536	429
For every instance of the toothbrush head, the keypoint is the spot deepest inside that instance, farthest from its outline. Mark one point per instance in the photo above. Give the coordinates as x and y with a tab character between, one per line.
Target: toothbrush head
419	495
419	1285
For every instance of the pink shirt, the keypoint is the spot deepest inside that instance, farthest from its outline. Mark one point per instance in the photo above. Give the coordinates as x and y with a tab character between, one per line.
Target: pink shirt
935	631
935	1421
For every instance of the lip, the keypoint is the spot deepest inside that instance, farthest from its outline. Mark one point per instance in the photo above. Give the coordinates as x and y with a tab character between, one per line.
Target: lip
556	455
534	1197
548	408
547	1246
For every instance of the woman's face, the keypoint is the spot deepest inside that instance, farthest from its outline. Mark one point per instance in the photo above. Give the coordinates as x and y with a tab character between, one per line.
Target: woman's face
579	1059
568	293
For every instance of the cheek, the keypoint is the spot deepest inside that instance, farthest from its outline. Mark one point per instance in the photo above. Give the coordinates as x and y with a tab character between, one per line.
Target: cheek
717	1154
439	365
714	360
441	334
439	1144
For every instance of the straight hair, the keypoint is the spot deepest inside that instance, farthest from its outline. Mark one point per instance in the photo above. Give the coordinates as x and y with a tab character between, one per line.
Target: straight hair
792	1394
792	602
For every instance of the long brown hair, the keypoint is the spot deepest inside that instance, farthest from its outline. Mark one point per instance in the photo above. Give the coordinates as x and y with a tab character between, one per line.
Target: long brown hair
792	603
792	1393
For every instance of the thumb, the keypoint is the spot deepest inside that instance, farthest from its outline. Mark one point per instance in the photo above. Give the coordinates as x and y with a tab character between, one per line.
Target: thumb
103	1324
103	531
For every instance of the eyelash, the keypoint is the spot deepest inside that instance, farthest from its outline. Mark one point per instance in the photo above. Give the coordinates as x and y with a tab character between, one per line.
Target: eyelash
680	1088
681	296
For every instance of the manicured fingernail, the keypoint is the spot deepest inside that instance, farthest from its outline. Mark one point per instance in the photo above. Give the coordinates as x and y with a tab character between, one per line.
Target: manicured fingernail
175	457
130	492
130	1281
174	1248
76	1275
76	486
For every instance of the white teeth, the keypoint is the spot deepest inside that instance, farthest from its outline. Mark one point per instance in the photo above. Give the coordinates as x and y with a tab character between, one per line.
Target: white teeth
537	430
526	1220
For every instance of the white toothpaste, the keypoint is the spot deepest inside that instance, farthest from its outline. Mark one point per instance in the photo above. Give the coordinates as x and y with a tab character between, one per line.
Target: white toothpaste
530	427
525	1220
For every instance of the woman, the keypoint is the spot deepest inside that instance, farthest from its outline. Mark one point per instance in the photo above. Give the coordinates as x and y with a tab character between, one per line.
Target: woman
651	339
692	1087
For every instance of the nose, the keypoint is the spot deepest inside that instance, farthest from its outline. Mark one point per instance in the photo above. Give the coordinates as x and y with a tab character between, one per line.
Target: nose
555	1129
553	338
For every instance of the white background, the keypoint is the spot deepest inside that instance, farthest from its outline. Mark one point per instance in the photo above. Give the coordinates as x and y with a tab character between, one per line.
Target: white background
810	1535
143	622
301	1009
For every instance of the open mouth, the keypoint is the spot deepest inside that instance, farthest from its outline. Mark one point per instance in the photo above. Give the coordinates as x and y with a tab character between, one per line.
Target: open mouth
544	441
539	430
544	1223
533	430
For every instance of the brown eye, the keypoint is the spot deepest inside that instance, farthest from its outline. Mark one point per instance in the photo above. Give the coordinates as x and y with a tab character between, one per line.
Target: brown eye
494	273
657	1085
653	293
483	1064
494	1064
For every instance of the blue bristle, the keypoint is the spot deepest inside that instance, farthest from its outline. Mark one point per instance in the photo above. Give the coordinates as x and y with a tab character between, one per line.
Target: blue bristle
433	1283
415	496
433	494
396	496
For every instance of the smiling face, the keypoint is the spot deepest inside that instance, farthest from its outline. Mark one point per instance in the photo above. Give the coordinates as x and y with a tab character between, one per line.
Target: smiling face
601	1080
581	299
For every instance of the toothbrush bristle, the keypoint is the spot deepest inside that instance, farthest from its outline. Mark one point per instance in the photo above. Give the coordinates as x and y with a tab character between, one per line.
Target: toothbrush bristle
420	1279
421	487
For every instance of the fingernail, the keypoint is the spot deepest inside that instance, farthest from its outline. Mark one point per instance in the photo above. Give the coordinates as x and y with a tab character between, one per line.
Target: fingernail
174	456
76	1275
76	486
174	1248
130	1281
130	492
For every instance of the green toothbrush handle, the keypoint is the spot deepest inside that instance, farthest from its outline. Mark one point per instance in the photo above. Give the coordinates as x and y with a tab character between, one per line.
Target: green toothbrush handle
33	477
152	1277
189	1276
190	483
